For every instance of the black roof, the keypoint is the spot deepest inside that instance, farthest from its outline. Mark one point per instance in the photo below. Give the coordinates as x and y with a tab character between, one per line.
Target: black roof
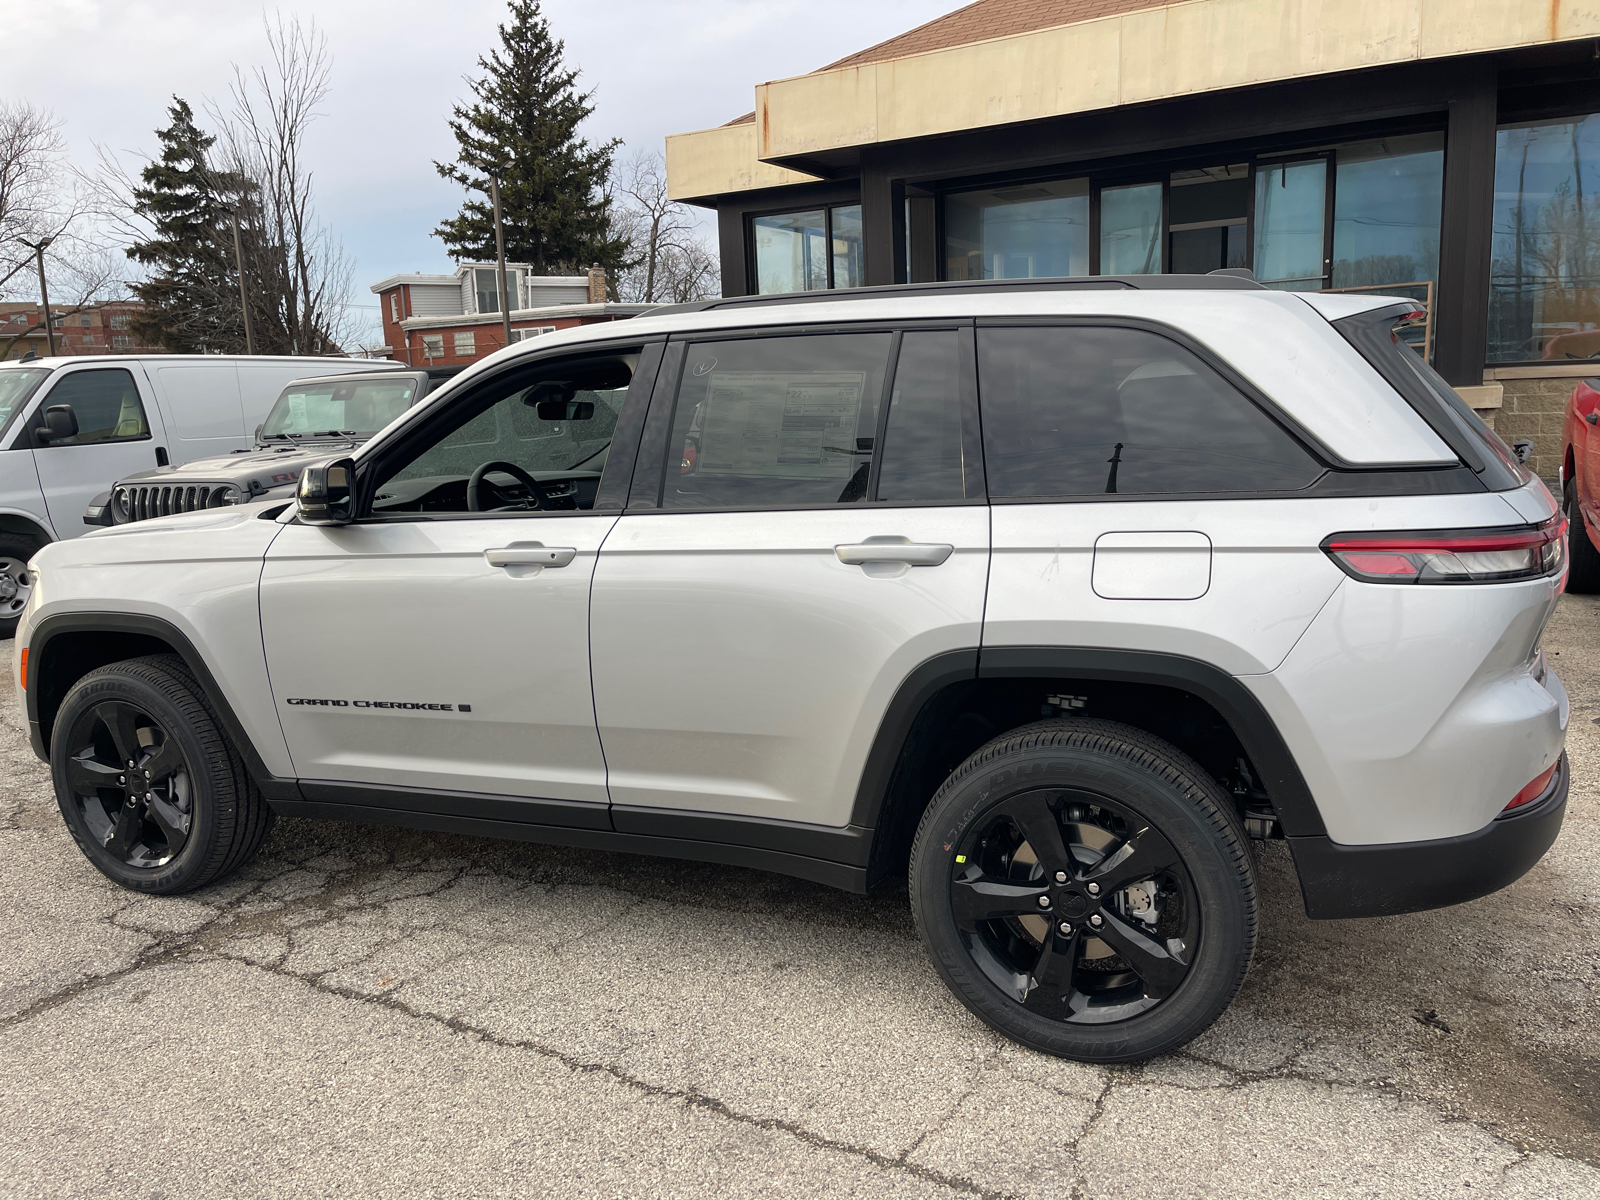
1231	280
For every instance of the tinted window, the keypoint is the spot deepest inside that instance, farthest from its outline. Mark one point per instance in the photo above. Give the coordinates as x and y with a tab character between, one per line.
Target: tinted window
1077	411
776	421
922	444
106	404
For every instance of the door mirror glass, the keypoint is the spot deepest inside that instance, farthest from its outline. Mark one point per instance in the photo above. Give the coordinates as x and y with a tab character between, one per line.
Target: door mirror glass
326	495
60	423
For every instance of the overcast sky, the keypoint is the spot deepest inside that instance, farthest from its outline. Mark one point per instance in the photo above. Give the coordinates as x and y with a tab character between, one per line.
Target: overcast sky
107	68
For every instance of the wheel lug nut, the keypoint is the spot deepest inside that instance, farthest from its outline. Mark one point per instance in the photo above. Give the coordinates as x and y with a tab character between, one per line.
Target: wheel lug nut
1061	876
1094	889
1096	920
122	779
1066	928
1044	901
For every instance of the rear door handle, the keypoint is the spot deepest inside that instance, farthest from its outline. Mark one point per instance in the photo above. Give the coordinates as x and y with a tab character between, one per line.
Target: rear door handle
530	554
894	550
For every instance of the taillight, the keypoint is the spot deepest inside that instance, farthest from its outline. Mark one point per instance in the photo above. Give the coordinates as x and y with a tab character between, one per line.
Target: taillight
22	668
1534	790
1452	555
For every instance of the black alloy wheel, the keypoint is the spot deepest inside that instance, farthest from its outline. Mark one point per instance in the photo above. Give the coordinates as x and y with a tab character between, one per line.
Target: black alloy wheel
130	784
1086	889
1075	906
152	791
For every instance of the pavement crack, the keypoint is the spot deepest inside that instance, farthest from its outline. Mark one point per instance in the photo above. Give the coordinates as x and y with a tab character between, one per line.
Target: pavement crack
690	1097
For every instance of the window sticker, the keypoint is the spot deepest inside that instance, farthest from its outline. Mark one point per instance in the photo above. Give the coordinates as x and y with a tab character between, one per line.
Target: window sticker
799	425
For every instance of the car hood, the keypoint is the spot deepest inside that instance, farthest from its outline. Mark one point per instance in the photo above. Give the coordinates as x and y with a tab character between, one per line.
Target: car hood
257	471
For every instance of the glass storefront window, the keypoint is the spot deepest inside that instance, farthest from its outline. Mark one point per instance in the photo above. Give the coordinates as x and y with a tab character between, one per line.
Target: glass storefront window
1130	230
1208	210
1387	198
1291	205
791	252
1544	283
847	270
1032	231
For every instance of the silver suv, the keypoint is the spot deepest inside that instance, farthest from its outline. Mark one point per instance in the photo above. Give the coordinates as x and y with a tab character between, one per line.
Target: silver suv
1051	596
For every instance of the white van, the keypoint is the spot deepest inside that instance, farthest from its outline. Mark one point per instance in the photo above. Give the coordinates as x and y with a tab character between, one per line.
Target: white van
76	425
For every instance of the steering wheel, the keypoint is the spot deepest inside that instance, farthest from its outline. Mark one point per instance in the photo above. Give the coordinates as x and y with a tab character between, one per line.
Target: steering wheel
475	484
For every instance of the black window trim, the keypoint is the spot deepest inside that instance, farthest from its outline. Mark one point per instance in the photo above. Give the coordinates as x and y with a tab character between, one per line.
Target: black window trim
26	439
429	415
647	494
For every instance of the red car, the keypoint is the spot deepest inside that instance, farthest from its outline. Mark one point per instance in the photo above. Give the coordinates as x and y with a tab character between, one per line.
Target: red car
1580	485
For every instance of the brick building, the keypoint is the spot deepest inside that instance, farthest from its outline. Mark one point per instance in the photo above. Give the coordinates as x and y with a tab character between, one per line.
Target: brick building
105	328
452	319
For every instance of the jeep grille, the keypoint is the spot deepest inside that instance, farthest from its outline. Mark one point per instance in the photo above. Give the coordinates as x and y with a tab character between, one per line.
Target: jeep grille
141	501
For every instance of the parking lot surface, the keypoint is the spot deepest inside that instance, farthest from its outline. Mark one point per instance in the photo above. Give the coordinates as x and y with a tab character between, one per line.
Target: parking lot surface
378	1012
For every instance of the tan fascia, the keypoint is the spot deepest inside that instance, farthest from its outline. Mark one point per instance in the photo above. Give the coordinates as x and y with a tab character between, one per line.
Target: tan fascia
713	162
1133	58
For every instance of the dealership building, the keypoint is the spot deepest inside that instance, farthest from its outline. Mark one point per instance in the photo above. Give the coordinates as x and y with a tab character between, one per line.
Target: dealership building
1446	150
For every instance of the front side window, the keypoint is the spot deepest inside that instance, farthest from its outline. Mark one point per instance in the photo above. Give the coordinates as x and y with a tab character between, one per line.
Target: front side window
776	421
1085	411
362	407
808	251
553	426
1544	293
106	403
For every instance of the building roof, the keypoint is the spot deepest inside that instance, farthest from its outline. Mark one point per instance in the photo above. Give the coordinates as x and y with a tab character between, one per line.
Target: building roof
978	23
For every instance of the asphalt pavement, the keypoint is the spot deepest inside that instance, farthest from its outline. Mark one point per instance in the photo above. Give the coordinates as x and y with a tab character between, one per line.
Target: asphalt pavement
369	1012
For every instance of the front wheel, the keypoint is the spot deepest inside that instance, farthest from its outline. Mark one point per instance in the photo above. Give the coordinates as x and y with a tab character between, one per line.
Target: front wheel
1583	566
1087	890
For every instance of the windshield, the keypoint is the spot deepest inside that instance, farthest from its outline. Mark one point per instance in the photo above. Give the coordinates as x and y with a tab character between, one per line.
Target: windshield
361	407
16	385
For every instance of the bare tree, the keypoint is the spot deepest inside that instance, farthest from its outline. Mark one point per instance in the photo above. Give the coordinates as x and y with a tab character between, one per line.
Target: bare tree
669	260
42	198
261	139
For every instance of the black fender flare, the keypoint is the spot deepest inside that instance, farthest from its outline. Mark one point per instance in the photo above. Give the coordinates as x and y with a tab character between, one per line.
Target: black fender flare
1257	733
40	656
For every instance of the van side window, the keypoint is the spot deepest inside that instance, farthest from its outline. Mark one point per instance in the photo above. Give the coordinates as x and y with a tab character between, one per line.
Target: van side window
106	403
1083	411
782	421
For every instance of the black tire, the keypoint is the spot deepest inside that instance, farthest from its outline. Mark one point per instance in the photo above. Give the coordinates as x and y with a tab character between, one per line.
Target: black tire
1122	803
16	580
187	813
1583	567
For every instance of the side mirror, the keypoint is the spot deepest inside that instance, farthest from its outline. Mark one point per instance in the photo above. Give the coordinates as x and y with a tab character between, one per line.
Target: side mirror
1523	449
60	423
326	495
565	410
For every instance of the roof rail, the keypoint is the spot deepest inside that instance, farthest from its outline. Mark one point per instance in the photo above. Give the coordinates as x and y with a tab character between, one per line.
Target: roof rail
1214	281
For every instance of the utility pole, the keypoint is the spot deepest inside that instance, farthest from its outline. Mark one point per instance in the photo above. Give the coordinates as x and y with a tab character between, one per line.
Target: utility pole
244	299
44	292
500	259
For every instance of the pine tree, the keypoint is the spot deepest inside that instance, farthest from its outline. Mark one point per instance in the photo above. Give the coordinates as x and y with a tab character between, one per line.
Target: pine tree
191	292
553	184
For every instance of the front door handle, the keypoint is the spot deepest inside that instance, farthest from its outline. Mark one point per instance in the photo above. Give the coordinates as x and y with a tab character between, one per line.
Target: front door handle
530	554
1593	418
894	550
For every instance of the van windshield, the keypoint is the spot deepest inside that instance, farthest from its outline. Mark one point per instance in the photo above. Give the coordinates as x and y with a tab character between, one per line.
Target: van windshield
16	385
359	408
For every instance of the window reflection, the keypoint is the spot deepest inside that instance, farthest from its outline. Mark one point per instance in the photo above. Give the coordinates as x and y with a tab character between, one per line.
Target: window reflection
791	252
1130	230
1544	297
1291	203
1387	199
1031	231
847	270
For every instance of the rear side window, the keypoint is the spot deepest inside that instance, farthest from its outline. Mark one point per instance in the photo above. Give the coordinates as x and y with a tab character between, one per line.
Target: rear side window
106	404
1083	410
925	457
776	421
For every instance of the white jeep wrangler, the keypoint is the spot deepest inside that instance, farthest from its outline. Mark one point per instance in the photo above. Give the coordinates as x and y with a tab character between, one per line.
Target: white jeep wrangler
1052	595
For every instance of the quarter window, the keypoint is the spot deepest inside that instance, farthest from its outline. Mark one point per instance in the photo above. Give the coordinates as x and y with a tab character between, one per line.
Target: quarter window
776	422
1084	411
106	404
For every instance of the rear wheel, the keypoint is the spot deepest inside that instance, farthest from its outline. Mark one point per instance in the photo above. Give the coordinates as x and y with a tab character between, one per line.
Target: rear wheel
147	783
1086	889
1583	566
